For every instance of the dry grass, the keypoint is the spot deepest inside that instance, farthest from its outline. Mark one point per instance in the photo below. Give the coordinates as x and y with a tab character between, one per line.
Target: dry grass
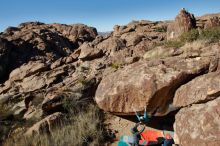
190	36
195	45
82	128
158	52
5	125
193	49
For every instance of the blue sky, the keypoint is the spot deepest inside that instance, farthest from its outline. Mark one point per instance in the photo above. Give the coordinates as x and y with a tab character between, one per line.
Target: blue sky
102	14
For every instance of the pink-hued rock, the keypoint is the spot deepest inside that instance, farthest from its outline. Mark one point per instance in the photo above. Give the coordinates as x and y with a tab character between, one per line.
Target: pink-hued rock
198	125
199	90
88	52
147	84
27	70
212	22
184	22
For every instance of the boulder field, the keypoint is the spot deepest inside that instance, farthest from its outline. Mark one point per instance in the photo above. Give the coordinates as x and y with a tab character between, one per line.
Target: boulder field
123	72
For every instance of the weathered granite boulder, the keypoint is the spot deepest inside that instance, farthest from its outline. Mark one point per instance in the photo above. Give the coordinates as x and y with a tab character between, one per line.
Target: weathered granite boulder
198	125
199	90
150	84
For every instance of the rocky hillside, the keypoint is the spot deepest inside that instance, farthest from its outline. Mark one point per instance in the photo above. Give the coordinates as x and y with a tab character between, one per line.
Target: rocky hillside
164	66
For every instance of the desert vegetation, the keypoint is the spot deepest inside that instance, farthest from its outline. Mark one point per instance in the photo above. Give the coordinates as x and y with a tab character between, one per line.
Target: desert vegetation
82	125
210	35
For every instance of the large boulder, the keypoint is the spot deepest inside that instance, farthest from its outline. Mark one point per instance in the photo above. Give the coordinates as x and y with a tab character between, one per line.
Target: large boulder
150	84
184	22
199	90
198	125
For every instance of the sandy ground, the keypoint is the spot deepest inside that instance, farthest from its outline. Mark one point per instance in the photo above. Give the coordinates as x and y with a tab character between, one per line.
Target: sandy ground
121	126
118	126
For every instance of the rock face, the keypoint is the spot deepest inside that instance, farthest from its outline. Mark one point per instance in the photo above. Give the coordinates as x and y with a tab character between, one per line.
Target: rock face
199	124
27	70
5	49
212	22
87	52
38	41
146	84
76	33
199	90
184	21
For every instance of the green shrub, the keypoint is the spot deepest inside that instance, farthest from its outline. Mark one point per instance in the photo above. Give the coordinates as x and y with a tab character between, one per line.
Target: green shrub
161	29
212	35
190	36
115	65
